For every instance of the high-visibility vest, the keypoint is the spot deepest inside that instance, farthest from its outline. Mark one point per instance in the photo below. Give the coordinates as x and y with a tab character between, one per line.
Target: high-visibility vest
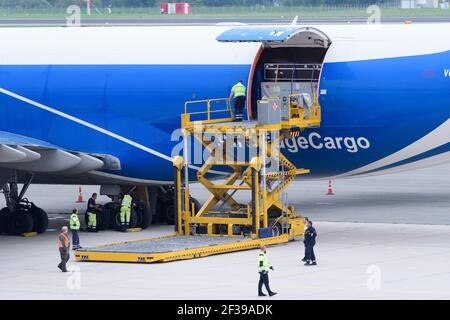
265	262
66	241
126	201
239	90
74	222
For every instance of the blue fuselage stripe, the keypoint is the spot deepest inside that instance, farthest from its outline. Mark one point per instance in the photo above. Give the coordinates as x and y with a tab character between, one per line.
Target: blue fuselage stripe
391	103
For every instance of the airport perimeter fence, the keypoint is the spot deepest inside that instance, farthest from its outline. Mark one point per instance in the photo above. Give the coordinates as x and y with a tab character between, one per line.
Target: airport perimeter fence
390	9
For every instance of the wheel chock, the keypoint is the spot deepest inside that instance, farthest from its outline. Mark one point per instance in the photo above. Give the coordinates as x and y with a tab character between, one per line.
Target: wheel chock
134	229
29	234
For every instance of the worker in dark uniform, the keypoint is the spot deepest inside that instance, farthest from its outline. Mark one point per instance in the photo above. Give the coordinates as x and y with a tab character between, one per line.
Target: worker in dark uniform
93	209
310	242
63	246
304	242
238	93
263	270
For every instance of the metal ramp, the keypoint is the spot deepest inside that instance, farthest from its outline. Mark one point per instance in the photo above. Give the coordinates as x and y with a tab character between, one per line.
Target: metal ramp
171	248
223	224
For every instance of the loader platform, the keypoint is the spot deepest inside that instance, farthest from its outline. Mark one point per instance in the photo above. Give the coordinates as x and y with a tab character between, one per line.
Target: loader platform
250	150
172	247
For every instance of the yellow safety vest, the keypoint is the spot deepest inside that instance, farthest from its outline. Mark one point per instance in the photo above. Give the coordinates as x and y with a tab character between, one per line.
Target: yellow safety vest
239	90
126	201
74	222
265	262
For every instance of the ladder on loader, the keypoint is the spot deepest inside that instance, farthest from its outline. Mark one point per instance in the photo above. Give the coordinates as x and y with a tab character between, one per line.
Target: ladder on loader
223	223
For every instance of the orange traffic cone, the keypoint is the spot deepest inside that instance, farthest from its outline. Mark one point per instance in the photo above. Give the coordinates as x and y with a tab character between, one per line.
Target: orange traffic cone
80	196
330	189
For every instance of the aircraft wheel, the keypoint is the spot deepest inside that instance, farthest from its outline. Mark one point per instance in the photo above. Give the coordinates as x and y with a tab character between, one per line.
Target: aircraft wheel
112	209
40	219
146	215
5	216
105	218
161	207
133	220
138	217
21	222
170	214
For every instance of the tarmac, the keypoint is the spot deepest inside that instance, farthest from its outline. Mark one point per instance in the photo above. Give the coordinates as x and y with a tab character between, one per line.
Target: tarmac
383	237
212	21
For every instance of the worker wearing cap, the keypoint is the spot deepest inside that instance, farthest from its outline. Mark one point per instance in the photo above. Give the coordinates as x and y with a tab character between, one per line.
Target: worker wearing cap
63	246
74	228
263	270
125	211
238	93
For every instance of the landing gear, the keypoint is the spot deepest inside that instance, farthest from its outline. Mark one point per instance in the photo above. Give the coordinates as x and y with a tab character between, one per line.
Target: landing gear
165	210
141	214
40	219
166	206
152	204
103	218
146	217
21	216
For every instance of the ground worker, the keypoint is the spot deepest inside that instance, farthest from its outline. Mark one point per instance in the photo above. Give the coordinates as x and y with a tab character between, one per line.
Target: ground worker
263	269
238	93
63	246
125	211
92	210
74	228
304	239
310	241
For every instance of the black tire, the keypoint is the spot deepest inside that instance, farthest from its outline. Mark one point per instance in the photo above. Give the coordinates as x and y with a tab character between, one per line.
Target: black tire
40	219
146	215
5	216
133	220
276	228
21	222
170	214
112	209
161	207
139	217
170	210
105	218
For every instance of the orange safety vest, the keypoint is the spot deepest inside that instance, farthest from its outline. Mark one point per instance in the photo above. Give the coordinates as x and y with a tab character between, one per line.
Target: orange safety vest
66	241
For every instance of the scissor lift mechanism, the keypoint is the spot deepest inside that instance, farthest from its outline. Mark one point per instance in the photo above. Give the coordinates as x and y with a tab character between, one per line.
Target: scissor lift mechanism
240	226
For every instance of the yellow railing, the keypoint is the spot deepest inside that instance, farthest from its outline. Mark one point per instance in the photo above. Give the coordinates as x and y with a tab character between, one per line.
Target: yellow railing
208	111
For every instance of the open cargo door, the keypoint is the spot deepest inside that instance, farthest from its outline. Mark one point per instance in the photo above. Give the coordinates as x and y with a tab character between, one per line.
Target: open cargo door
288	63
295	36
